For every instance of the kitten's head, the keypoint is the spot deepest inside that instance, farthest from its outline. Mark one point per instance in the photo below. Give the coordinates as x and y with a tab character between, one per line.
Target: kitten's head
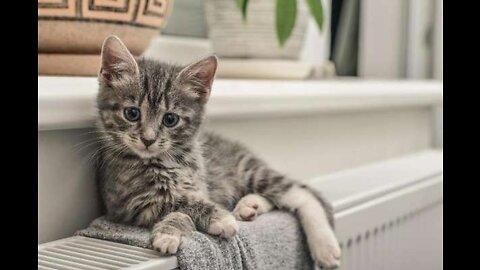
149	108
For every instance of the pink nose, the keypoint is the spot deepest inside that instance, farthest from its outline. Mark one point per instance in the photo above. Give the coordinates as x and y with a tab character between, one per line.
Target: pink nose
147	142
148	137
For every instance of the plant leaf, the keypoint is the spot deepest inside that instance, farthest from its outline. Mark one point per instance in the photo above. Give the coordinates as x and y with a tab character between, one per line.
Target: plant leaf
286	15
316	9
239	3
242	5
244	9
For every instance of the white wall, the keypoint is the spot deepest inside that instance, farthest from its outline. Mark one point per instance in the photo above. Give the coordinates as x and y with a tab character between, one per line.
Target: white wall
308	145
67	194
438	38
382	38
420	40
401	39
438	68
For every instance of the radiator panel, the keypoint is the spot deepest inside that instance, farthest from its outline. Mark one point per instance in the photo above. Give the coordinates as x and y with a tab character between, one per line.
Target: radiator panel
94	254
408	238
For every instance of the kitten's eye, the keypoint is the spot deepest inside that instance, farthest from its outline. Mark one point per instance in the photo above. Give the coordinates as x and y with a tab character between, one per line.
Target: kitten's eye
170	119
132	114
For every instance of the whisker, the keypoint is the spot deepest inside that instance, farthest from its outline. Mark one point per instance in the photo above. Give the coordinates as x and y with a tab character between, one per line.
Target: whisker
81	146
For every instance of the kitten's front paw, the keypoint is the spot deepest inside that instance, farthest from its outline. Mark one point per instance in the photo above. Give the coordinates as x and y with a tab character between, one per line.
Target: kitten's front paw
251	206
326	252
226	226
166	243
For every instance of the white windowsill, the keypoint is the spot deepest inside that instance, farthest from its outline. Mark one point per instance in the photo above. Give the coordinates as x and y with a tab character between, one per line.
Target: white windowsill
69	102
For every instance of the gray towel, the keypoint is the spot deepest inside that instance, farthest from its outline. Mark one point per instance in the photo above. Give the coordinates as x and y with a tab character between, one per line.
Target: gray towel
273	241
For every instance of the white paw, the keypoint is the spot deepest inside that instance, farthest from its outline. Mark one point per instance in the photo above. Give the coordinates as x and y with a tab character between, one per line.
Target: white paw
251	206
325	251
166	243
226	227
245	212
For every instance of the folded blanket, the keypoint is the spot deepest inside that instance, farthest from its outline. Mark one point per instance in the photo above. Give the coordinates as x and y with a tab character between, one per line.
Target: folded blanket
273	241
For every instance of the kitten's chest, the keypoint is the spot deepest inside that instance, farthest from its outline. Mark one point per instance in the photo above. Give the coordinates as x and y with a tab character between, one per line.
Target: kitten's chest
147	194
143	198
152	174
152	183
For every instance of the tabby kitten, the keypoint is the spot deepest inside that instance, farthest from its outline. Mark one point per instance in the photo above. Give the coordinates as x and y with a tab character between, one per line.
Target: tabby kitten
158	169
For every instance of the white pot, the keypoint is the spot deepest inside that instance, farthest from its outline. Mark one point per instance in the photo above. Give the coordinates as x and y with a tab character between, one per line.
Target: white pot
255	38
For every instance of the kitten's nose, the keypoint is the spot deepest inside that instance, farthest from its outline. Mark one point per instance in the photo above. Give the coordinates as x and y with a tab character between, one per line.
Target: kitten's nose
148	136
147	142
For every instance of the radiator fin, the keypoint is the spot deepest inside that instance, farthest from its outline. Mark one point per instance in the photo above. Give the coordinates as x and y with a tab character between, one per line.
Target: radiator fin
402	243
82	253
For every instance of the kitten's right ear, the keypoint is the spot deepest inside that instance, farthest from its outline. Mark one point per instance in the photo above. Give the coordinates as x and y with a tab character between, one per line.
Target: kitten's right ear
117	61
199	76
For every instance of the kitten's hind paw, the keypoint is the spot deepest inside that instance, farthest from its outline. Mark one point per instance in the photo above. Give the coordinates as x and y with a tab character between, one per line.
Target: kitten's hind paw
245	212
166	243
251	206
225	227
326	254
330	264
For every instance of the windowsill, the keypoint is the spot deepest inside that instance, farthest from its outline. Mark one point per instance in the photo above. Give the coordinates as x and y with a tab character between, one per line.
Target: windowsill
69	102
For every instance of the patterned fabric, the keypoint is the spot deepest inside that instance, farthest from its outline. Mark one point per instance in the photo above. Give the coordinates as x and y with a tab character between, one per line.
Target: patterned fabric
144	13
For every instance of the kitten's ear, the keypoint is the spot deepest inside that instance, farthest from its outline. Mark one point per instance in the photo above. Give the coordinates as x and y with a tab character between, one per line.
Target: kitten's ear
117	61
199	77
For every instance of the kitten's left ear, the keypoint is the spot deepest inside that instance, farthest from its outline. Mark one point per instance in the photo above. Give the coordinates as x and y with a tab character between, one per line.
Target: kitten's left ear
198	77
117	61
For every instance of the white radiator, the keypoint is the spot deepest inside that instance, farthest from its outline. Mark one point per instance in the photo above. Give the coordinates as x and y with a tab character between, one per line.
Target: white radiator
401	231
388	216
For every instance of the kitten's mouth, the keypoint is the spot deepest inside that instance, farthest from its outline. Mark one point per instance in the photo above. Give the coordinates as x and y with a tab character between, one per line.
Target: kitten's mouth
145	152
151	151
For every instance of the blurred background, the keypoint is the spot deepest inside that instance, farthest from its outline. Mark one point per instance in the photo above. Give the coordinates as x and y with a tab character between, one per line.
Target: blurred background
364	38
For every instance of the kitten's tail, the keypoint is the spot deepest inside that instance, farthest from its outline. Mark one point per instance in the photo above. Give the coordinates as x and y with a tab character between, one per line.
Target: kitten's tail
314	212
326	205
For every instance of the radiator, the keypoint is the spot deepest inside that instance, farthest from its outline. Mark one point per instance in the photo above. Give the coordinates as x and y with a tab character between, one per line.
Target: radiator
93	254
388	216
403	232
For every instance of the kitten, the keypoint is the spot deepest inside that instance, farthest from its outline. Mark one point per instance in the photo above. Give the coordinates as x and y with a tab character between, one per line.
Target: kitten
158	169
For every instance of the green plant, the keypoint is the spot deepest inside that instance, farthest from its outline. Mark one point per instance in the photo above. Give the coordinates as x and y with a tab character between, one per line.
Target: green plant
286	14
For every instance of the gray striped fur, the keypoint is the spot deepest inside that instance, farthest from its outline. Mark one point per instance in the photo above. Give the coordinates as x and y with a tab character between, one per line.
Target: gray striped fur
196	177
